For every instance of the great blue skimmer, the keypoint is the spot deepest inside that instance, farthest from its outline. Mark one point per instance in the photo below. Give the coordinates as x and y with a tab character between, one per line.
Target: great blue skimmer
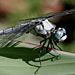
41	26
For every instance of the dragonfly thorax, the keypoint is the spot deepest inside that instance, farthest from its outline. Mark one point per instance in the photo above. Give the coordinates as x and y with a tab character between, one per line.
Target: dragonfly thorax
45	28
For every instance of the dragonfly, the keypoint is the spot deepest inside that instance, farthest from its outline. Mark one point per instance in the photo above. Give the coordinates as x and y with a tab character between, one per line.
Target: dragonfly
42	27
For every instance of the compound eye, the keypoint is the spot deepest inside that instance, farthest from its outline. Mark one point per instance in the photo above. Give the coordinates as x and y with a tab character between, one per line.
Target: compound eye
60	33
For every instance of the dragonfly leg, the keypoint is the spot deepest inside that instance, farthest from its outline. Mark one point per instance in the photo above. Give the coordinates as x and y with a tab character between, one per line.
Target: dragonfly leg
52	47
57	45
42	41
39	56
41	51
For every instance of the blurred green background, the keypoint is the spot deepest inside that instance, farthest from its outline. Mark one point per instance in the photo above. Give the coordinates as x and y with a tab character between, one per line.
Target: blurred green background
11	11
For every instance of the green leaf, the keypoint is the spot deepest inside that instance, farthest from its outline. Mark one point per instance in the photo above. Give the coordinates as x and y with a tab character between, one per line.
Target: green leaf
23	60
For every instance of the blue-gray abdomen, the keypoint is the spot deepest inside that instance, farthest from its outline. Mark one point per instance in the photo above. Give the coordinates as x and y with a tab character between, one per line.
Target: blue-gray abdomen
13	29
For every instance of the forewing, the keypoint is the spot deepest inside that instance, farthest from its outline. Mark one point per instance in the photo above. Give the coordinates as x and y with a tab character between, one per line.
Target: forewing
28	20
57	14
48	15
8	37
4	38
41	17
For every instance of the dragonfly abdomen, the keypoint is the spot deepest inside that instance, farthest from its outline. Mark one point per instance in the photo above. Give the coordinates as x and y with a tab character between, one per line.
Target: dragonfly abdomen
10	30
5	31
14	29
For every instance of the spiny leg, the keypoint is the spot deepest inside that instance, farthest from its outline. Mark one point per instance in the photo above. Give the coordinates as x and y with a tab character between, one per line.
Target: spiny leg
59	56
41	51
48	48
42	41
57	45
52	47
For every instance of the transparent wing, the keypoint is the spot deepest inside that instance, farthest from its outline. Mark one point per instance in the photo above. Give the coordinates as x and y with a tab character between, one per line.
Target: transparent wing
50	15
34	19
28	20
57	14
4	38
7	37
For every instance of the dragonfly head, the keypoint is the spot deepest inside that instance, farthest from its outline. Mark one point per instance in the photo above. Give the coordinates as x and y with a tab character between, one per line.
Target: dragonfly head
60	34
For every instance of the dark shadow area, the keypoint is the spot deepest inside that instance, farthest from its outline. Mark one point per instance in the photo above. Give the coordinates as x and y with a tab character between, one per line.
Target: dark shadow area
26	54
